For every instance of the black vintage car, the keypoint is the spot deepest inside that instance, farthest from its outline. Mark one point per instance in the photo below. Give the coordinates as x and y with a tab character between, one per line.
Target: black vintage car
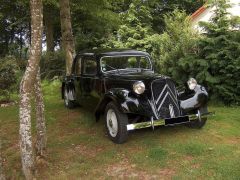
122	86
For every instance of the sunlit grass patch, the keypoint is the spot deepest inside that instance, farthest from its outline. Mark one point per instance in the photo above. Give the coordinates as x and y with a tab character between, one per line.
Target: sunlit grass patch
223	168
157	154
191	148
156	157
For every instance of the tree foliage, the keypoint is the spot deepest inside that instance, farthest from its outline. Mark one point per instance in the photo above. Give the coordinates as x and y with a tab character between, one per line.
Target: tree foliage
220	50
136	31
8	76
93	21
212	58
159	8
178	41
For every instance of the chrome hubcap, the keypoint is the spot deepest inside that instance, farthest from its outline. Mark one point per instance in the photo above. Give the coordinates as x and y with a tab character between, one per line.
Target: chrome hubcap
112	123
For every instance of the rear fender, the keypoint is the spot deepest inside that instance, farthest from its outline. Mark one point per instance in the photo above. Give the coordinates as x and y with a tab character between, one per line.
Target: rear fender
70	89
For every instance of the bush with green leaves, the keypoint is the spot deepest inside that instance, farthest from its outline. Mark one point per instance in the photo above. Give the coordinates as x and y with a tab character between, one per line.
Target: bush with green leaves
8	76
178	41
52	64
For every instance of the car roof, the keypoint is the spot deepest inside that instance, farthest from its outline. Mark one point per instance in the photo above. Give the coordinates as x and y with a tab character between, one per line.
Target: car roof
112	52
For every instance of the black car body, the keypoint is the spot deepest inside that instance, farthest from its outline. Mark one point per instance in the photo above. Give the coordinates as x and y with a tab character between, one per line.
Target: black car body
122	85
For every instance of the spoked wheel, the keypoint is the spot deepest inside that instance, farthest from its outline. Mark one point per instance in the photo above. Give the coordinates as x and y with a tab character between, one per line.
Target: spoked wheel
116	124
68	103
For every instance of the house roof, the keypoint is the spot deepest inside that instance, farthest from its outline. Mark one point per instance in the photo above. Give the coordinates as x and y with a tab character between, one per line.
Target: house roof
199	12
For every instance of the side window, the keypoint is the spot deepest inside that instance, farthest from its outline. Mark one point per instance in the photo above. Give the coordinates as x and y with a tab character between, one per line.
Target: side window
89	66
77	69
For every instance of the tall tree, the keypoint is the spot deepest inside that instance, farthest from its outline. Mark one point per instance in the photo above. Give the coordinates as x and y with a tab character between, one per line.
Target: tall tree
67	35
49	29
220	50
40	117
136	31
51	23
29	80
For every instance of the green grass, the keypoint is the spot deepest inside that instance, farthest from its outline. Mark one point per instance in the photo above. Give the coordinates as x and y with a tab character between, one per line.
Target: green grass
79	148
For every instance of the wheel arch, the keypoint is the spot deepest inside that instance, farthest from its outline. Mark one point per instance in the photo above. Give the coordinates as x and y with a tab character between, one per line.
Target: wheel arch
126	101
102	105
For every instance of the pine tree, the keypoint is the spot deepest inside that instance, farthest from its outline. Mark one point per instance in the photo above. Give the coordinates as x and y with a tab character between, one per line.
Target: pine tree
177	43
220	49
135	29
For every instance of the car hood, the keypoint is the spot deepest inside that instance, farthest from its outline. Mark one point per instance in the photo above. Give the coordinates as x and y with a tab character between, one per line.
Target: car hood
137	76
125	81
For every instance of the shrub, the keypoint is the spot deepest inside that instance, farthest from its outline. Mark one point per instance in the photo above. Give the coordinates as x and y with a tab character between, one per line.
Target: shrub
52	64
178	41
8	76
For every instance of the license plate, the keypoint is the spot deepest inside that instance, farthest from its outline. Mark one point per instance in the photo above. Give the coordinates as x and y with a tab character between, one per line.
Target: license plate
178	120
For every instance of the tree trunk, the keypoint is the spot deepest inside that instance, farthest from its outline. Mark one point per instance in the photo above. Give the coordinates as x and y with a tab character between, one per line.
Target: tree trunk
49	31
26	88
40	117
25	127
67	36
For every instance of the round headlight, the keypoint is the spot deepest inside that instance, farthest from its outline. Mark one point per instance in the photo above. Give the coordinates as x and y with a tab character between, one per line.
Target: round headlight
139	87
192	83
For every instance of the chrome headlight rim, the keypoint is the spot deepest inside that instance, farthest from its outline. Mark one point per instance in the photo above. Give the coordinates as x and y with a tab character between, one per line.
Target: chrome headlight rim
192	83
139	87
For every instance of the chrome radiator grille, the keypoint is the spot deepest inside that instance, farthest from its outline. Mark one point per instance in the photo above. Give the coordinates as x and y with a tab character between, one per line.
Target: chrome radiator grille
165	98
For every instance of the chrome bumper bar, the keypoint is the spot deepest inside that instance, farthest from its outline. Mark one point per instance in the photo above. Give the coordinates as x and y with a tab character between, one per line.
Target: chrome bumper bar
164	122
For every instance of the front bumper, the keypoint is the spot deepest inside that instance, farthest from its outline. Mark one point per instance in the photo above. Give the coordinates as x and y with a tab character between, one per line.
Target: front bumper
169	122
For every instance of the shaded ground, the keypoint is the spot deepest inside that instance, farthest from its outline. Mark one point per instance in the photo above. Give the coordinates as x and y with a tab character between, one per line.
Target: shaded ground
79	148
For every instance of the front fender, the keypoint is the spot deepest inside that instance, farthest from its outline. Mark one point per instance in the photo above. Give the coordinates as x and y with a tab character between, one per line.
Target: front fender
127	101
197	101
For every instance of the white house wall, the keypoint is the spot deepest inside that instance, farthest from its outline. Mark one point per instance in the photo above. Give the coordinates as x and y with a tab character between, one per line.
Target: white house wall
208	13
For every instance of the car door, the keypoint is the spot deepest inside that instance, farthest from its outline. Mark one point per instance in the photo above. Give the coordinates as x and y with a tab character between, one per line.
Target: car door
77	78
89	81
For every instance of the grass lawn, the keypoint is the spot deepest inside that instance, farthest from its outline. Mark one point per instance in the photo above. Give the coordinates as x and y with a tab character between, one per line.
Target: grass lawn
78	147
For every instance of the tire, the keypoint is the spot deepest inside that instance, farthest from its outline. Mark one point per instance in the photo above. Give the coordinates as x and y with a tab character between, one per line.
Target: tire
116	123
68	103
197	124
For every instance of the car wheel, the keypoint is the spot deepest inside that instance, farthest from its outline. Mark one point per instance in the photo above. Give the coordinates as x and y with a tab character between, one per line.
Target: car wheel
197	124
116	124
68	103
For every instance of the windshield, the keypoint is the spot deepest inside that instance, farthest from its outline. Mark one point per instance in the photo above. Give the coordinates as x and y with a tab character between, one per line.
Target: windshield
130	63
